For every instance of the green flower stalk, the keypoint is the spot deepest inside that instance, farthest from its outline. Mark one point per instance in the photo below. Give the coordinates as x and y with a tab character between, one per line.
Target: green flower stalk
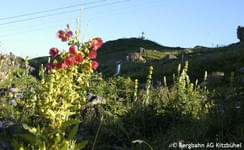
27	67
179	69
148	84
205	76
190	99
165	82
136	89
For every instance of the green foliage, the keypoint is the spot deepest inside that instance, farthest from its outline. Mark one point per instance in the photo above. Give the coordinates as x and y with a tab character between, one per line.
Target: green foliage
187	98
128	120
53	112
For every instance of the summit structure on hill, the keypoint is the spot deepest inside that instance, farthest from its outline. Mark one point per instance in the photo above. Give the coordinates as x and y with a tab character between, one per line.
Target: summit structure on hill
240	33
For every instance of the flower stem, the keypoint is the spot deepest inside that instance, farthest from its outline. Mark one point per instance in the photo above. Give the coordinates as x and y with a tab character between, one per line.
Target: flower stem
98	130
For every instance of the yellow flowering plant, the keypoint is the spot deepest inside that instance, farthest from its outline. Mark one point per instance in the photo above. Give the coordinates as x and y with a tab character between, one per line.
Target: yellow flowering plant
62	92
189	98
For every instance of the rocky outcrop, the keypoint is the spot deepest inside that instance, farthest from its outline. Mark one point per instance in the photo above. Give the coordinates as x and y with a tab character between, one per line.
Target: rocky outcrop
240	33
214	79
94	99
170	56
9	60
136	57
7	63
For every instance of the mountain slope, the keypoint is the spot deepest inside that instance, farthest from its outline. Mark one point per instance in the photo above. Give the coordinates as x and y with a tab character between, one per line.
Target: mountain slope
164	59
225	59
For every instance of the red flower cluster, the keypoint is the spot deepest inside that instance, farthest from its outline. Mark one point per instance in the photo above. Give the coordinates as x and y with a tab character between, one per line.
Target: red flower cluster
61	65
50	66
65	35
53	52
96	43
95	65
74	57
72	50
92	54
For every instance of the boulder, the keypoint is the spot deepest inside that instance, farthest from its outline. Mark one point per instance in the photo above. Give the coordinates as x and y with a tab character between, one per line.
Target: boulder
136	57
172	57
7	63
5	146
213	79
94	99
241	70
242	80
217	74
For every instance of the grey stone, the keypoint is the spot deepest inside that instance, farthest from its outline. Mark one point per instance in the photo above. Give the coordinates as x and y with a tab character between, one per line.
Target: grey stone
238	105
217	74
203	83
5	146
19	95
242	80
172	57
94	99
13	102
1	124
241	70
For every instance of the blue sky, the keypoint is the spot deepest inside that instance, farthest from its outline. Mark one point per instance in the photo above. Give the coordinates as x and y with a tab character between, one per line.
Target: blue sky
183	23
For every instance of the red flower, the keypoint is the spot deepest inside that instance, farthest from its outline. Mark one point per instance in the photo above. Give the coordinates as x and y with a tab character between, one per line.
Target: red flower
53	52
96	43
69	34
92	54
61	65
50	66
72	50
64	35
95	65
78	59
60	34
69	61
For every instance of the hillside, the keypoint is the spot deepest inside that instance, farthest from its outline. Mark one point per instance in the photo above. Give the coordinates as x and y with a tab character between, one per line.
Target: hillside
164	59
125	110
112	51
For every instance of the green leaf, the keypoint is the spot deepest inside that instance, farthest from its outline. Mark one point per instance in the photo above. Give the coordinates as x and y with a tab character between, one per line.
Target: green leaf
69	123
5	138
73	132
81	145
51	113
29	138
15	144
108	113
63	146
57	139
31	130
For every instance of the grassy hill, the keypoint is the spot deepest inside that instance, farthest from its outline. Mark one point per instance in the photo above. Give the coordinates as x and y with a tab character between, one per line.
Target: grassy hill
123	110
164	59
222	59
